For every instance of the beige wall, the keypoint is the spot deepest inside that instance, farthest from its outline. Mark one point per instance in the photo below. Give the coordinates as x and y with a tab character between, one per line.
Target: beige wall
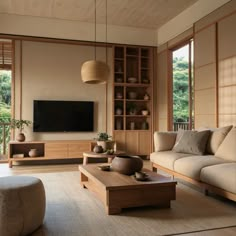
52	71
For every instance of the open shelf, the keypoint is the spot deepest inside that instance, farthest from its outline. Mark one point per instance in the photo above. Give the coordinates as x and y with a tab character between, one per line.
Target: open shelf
133	93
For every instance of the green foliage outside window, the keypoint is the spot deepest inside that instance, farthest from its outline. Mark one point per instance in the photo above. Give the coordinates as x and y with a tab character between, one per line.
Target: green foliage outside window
180	90
5	105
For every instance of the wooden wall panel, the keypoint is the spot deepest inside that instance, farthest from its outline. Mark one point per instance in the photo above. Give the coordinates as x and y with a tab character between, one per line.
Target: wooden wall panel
205	121
162	91
205	47
226	120
227	100
227	37
227	70
205	77
205	101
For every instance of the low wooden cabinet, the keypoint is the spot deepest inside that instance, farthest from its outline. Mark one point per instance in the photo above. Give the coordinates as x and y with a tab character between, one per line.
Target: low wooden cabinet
48	150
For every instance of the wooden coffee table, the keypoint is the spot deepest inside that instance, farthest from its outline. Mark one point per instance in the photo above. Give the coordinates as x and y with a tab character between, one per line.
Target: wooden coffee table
118	191
109	157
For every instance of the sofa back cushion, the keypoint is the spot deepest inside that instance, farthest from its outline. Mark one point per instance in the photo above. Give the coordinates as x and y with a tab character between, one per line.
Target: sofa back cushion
216	138
192	142
164	141
227	149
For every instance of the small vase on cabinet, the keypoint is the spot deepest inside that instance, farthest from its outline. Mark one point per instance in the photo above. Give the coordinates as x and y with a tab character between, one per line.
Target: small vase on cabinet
33	152
20	137
119	111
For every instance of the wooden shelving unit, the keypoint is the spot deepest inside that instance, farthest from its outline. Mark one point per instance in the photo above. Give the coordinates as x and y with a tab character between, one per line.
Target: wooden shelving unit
133	93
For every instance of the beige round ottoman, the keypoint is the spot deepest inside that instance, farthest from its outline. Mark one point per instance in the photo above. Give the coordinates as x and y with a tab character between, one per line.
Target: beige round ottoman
22	205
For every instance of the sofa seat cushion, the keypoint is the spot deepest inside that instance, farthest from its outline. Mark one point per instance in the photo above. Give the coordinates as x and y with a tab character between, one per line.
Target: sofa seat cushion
222	176
191	166
166	158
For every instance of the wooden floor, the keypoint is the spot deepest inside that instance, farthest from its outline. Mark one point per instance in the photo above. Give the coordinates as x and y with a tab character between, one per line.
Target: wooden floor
52	168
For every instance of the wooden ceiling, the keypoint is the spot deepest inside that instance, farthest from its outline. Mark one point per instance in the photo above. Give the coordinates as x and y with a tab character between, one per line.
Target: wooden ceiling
150	14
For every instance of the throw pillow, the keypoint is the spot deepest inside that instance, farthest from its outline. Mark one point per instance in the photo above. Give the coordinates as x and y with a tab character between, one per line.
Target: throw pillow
216	138
227	149
164	141
192	142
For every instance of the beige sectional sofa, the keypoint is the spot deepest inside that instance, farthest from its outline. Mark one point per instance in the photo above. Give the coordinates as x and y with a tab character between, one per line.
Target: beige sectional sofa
206	158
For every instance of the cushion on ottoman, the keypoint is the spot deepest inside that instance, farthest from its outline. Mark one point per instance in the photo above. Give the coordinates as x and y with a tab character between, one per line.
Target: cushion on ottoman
22	205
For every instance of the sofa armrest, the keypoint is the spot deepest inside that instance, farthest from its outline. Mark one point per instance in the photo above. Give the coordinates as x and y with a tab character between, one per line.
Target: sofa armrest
164	141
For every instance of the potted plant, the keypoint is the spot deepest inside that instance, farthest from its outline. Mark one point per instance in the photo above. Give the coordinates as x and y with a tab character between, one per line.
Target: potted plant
132	109
20	125
105	140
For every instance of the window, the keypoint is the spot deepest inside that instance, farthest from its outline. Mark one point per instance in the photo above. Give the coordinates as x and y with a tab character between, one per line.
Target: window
5	94
182	87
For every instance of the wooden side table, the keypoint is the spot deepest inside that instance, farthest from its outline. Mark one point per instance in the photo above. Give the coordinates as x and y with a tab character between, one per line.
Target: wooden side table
109	157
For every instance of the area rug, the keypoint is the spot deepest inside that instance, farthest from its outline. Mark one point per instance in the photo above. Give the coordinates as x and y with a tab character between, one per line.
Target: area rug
72	210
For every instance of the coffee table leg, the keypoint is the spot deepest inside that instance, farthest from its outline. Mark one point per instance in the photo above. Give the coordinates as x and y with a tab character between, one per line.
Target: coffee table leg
109	159
85	160
113	210
83	178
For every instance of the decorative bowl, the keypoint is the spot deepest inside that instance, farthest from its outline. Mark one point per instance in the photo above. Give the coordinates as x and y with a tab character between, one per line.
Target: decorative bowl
132	95
119	80
145	112
127	165
119	96
132	80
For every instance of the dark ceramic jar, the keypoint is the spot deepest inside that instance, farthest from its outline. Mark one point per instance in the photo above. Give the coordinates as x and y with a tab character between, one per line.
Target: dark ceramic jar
20	137
127	165
98	149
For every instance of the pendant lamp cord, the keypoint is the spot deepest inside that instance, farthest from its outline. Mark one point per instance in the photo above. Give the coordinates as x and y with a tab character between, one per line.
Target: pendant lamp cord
106	34
95	28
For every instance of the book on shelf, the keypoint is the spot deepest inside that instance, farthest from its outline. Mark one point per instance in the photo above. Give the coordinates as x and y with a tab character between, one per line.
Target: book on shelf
19	155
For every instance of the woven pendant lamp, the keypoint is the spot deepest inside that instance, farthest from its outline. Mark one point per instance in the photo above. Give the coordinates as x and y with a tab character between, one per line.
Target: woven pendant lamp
93	71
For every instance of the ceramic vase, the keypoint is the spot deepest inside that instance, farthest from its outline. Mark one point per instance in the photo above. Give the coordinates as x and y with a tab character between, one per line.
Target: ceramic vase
33	152
20	137
106	145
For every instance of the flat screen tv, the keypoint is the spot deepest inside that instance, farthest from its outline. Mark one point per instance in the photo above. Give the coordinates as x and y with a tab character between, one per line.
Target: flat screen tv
63	116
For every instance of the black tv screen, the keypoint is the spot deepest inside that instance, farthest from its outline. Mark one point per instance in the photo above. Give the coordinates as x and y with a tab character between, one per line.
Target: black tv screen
63	116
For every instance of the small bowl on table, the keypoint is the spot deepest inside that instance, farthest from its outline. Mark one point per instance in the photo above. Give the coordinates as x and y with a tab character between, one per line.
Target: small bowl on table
105	167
